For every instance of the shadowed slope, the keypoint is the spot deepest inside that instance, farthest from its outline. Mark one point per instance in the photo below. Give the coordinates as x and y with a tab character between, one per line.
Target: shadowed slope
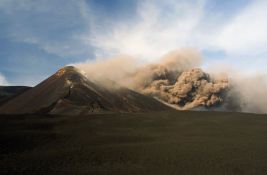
9	92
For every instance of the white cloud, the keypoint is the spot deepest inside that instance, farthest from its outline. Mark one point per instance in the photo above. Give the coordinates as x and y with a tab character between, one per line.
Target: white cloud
246	34
166	25
161	27
3	81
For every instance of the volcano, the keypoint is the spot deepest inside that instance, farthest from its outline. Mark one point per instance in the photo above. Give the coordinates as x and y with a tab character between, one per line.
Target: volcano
69	91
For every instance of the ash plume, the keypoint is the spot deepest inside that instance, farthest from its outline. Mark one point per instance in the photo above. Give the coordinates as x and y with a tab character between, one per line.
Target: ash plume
247	93
173	79
191	89
177	80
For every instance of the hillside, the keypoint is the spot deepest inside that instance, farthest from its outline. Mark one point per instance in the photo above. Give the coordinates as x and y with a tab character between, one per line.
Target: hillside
9	92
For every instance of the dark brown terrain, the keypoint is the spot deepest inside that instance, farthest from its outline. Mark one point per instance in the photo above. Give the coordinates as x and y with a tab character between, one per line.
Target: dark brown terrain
9	92
169	142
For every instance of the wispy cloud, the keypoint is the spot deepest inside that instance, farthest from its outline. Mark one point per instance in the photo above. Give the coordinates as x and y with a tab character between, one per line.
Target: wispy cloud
52	26
246	34
41	36
161	26
76	28
3	81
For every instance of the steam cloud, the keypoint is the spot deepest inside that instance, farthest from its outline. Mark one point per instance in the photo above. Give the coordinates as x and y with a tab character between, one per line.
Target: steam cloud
177	81
247	93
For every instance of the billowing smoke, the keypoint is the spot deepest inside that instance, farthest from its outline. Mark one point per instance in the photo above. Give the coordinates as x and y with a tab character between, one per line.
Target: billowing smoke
247	93
173	79
115	69
177	80
168	67
192	88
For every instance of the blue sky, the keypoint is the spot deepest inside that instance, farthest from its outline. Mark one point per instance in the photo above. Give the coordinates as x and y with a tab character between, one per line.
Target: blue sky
37	37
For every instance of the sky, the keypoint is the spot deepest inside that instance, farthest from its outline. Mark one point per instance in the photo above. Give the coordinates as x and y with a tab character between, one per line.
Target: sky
37	37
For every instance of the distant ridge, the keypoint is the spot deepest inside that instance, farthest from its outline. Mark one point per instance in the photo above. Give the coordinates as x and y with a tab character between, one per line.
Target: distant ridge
9	92
68	91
